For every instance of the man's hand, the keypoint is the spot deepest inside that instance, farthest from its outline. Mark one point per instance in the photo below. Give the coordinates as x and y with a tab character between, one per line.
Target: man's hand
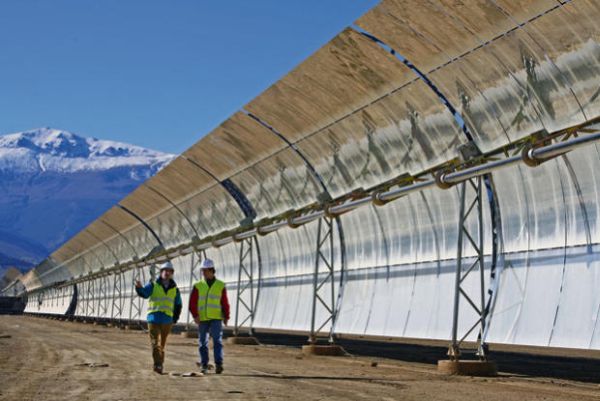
138	284
225	322
196	319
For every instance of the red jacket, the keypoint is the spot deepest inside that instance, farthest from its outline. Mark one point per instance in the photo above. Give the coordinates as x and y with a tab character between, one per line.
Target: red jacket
193	306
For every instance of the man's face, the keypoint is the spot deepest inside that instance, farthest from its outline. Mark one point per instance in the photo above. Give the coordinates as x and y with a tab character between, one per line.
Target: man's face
166	274
208	274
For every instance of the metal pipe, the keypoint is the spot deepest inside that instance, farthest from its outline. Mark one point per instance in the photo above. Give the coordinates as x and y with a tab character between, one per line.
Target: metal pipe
222	241
462	175
271	227
348	206
186	251
244	235
307	218
403	191
203	246
541	153
559	148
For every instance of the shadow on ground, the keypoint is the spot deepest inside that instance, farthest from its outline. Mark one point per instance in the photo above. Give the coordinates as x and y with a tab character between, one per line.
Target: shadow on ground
512	363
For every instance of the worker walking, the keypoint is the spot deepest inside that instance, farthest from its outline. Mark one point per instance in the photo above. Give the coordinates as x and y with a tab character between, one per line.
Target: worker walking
210	308
164	309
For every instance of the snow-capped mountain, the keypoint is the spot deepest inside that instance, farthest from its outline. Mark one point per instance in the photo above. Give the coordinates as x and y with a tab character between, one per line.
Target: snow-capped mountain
53	183
47	149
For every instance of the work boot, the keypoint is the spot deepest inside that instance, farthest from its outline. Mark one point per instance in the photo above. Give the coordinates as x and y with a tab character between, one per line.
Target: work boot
219	369
204	369
158	369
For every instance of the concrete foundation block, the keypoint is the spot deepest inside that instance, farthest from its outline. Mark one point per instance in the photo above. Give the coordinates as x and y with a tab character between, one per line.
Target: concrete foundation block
189	334
243	340
323	350
468	368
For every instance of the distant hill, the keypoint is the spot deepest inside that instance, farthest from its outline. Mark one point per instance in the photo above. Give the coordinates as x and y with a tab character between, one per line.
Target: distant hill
54	183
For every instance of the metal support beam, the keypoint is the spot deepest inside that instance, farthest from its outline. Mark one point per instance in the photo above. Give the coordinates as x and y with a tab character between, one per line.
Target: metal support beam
117	296
194	278
78	288
91	287
324	293
248	285
470	239
103	300
84	298
135	302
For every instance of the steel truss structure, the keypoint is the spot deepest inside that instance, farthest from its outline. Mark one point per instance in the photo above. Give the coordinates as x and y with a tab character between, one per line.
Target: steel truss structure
194	278
248	285
324	281
378	115
470	236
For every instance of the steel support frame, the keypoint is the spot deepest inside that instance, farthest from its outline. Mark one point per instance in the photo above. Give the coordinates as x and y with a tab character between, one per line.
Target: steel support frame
52	298
248	284
103	300
471	207
324	277
91	289
55	299
79	306
82	298
136	303
117	296
194	278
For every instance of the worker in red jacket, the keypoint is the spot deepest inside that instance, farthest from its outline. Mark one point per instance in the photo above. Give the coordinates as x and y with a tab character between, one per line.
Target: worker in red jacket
210	308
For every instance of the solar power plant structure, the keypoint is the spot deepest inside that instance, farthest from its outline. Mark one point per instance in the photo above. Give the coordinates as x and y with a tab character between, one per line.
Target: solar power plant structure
432	172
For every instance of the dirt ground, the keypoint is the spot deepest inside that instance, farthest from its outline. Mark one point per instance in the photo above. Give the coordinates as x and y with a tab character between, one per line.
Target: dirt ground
43	359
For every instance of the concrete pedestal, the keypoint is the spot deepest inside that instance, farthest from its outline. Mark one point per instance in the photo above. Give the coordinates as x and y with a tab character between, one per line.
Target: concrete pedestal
467	368
324	350
189	334
243	340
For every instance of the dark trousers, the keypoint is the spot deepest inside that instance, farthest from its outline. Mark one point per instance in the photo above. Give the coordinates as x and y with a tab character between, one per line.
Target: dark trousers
215	329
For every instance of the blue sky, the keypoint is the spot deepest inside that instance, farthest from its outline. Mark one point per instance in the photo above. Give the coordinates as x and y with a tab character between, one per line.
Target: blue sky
154	73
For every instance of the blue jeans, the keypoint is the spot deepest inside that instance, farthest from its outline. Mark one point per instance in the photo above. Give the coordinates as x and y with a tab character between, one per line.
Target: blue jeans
215	329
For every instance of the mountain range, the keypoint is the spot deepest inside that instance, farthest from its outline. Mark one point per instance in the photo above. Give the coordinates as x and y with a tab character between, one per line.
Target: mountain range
53	183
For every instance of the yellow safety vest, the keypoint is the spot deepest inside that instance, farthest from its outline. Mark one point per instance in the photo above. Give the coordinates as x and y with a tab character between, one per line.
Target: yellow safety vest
209	300
161	302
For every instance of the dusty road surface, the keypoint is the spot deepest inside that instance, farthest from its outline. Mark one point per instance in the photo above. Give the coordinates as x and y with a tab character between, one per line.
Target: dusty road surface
44	359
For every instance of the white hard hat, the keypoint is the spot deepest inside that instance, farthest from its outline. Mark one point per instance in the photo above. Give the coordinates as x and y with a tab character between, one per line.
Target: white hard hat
166	265
207	264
